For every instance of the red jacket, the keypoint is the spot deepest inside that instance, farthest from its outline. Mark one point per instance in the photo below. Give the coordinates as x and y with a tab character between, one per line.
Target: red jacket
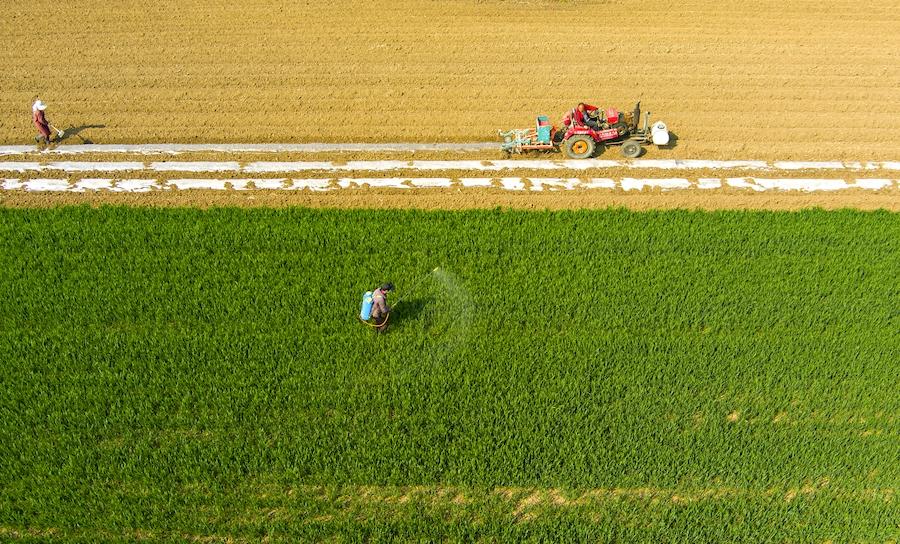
580	117
40	121
577	115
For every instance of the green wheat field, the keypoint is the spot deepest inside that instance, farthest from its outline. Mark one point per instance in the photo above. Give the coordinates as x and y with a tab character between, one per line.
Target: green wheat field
591	376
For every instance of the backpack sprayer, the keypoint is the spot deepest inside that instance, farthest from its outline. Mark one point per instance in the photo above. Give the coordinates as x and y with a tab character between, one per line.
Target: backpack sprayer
365	312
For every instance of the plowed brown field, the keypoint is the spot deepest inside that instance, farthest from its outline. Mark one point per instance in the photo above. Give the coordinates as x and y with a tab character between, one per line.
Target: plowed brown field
733	79
447	199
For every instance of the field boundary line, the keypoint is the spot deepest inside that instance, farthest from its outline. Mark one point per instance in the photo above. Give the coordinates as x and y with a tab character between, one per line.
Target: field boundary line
519	184
175	149
269	167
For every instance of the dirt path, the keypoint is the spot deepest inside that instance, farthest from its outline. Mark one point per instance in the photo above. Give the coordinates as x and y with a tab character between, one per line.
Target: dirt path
449	199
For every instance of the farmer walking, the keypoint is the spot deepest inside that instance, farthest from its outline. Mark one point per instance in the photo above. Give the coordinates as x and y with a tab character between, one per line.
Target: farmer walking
380	308
40	121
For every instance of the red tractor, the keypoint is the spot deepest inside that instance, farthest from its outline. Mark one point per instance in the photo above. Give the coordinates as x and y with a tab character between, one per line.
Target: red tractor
580	141
611	128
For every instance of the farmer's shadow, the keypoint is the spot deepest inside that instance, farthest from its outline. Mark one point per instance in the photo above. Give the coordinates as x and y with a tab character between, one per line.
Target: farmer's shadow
76	132
408	311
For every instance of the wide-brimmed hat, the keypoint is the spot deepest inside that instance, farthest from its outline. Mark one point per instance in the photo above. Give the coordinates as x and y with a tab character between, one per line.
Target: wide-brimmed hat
38	105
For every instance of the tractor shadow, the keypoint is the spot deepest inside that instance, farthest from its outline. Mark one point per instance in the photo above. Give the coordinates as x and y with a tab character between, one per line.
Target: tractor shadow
75	132
408	312
673	141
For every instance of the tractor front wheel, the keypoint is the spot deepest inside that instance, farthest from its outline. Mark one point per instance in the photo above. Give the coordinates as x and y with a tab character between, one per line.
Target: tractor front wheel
632	149
580	147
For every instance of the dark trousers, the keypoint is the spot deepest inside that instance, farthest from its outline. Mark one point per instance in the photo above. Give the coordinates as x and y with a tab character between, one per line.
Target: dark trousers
381	323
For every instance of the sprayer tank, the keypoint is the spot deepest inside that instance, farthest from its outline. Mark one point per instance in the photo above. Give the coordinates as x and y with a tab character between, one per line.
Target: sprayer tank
366	311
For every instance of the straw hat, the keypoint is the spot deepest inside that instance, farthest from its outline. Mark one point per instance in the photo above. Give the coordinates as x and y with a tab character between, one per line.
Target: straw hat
38	105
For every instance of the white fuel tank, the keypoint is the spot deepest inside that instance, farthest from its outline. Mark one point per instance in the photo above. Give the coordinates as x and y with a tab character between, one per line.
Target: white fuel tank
659	133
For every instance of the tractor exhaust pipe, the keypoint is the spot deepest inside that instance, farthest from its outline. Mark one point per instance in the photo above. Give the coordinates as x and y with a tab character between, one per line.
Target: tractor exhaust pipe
636	117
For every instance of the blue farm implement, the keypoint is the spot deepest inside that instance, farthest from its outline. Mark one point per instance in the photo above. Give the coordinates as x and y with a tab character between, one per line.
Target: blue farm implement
538	138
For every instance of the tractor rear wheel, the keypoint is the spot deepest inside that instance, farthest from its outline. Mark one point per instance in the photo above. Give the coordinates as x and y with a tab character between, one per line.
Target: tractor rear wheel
632	149
580	146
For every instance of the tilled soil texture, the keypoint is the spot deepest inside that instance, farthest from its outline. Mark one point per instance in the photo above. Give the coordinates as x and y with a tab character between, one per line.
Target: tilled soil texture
762	80
451	199
245	157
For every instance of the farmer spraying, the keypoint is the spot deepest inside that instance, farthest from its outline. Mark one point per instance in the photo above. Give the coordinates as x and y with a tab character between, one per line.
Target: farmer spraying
375	306
41	122
380	308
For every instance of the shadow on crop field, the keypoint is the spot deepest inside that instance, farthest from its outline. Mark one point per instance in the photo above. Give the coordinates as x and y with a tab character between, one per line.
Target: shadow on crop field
76	131
409	311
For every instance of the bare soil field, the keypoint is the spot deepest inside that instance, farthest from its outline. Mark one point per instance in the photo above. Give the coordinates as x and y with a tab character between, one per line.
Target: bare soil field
448	199
749	80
